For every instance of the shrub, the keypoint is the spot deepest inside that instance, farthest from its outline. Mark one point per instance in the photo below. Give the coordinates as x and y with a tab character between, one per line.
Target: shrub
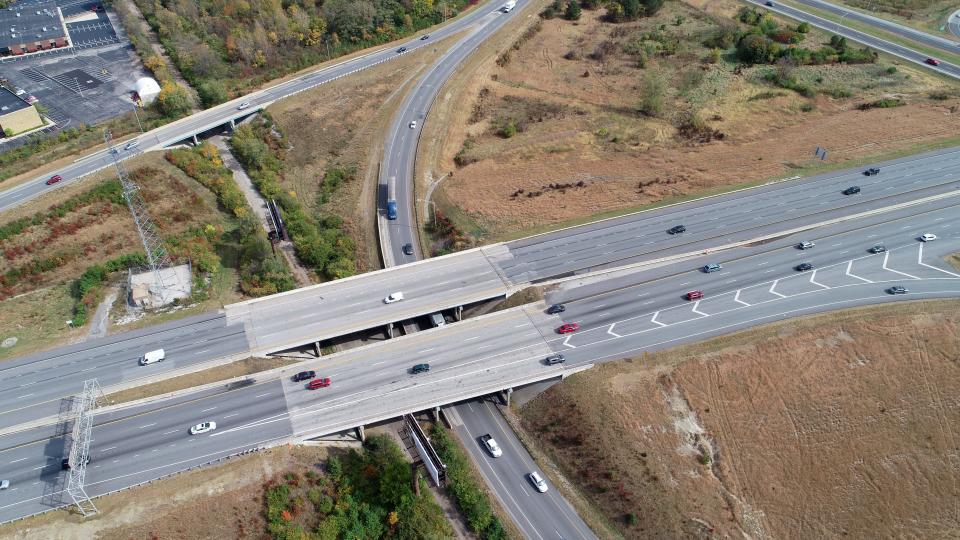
883	103
572	12
653	95
807	106
838	92
891	70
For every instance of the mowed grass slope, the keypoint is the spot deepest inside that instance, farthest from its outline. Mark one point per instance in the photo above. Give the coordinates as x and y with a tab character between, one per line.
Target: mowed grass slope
842	424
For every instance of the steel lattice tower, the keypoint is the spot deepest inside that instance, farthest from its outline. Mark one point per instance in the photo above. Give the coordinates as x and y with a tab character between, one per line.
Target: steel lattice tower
157	257
80	446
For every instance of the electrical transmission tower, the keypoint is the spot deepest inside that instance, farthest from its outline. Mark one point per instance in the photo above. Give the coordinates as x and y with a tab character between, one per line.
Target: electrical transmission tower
80	446
157	257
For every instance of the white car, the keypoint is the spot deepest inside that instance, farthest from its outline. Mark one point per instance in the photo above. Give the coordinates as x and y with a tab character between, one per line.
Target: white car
205	427
927	237
538	481
131	144
805	245
4	484
492	446
243	105
413	124
393	297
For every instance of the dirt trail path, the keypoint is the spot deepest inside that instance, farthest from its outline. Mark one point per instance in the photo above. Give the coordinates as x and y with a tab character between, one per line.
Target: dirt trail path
101	318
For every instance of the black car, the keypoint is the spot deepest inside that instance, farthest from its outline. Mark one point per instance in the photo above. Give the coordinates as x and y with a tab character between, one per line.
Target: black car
803	267
871	171
897	289
677	230
425	36
408	249
304	376
769	4
852	190
420	368
556	308
401	50
879	248
554	359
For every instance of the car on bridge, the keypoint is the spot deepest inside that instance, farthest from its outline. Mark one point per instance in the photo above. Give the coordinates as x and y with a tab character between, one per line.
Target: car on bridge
202	428
852	190
568	328
556	308
928	237
803	267
322	382
491	445
538	482
554	359
805	245
676	229
243	105
420	368
712	267
304	376
393	297
878	248
871	171
898	289
54	179
694	295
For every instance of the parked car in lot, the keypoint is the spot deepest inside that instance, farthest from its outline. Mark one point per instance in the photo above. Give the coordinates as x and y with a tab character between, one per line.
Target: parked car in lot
694	295
538	482
852	190
676	229
871	171
556	308
492	446
304	376
202	428
803	267
897	289
322	382
554	359
712	267
420	368
879	248
54	179
927	237
568	328
805	245
393	297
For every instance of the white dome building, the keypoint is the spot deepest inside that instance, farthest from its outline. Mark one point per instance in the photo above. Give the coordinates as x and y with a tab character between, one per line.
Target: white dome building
148	89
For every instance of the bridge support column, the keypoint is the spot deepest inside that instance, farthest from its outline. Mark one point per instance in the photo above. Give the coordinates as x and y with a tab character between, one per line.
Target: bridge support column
506	396
316	348
390	330
458	313
196	141
233	124
436	414
361	434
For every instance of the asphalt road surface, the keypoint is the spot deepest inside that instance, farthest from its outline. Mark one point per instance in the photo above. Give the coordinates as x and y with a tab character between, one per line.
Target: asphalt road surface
472	357
945	68
930	40
223	114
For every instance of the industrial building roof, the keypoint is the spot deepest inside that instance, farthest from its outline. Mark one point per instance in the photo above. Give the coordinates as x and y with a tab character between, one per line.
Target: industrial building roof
29	22
10	102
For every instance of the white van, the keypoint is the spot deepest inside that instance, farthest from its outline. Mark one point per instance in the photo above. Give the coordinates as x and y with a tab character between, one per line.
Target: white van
151	357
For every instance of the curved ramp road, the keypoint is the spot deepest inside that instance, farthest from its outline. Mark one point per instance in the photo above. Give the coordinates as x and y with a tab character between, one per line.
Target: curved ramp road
910	55
227	112
479	355
953	23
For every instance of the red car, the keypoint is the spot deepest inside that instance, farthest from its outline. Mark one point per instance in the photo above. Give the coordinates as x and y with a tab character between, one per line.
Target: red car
568	328
933	61
54	179
322	382
694	295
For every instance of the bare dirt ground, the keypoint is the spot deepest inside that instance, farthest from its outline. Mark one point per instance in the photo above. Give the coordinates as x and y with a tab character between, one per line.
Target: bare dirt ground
581	123
343	123
839	425
222	501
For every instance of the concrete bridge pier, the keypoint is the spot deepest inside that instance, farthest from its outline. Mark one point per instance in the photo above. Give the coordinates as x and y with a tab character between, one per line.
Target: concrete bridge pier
458	313
506	396
316	348
361	435
390	330
196	141
233	124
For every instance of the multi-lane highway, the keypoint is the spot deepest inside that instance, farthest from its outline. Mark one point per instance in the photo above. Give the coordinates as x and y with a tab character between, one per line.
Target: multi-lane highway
910	55
224	114
477	356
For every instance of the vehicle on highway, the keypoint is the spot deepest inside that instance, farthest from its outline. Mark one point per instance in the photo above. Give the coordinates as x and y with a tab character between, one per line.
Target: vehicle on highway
677	230
803	267
322	382
871	171
408	249
54	179
151	357
425	36
805	245
538	481
132	144
401	50
897	289
932	61
491	445
878	248
393	297
554	359
568	328
304	376
508	6
852	190
556	308
712	267
694	295
243	105
65	463
927	237
4	484
768	4
413	124
202	428
420	368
